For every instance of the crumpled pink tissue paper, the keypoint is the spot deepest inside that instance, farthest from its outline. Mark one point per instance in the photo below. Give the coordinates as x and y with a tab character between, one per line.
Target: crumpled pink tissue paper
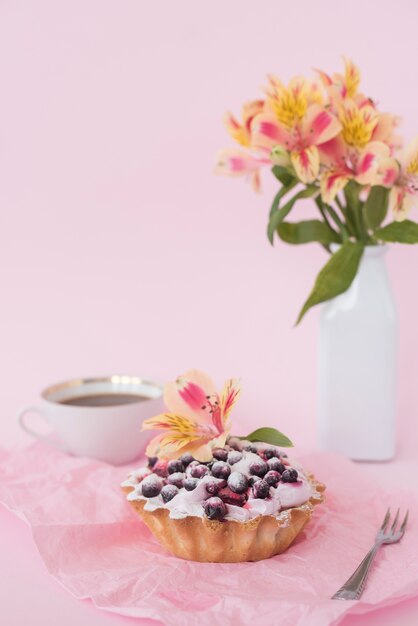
93	543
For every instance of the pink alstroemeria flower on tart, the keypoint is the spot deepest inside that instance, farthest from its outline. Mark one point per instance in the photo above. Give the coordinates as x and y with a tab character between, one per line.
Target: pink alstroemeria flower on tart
197	420
327	141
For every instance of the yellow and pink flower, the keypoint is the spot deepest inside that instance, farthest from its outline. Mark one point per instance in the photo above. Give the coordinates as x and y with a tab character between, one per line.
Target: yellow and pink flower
295	120
197	420
404	193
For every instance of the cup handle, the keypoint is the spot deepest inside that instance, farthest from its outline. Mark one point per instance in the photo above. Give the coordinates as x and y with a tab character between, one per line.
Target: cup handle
33	433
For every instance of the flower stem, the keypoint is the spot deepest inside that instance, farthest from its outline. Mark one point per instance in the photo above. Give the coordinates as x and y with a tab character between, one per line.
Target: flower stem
333	213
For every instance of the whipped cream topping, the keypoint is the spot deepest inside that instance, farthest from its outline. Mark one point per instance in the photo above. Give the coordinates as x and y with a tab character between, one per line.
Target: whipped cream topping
190	503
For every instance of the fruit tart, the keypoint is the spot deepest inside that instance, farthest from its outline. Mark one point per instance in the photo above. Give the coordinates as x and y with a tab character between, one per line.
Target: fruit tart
208	496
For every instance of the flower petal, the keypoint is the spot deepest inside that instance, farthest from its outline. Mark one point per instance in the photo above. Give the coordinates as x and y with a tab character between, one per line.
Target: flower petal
228	398
400	202
319	125
267	132
333	153
237	163
306	164
187	396
368	162
332	181
410	158
388	172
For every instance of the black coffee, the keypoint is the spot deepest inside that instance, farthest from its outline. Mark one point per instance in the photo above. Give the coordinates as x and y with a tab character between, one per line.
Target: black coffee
104	399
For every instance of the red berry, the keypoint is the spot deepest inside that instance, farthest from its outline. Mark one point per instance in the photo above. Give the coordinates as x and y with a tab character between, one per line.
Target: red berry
228	496
161	468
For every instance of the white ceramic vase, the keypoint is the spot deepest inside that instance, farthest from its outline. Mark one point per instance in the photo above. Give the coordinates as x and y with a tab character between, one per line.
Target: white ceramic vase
357	365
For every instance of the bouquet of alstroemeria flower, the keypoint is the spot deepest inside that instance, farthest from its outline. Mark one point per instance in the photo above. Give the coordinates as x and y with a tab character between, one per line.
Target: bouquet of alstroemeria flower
327	141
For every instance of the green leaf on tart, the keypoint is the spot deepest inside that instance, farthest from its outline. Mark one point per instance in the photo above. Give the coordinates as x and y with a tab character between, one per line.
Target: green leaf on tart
398	232
269	435
307	231
336	276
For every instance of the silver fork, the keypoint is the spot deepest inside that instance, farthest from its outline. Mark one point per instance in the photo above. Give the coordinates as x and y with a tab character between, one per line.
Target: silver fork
354	586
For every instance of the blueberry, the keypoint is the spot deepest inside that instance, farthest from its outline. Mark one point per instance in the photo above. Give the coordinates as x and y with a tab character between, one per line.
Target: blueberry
272	478
176	479
220	454
160	468
198	471
234	457
192	464
186	459
269	453
250	448
261	489
214	508
258	468
234	443
175	466
213	486
290	476
274	464
152	461
168	492
190	483
253	479
220	469
237	482
151	486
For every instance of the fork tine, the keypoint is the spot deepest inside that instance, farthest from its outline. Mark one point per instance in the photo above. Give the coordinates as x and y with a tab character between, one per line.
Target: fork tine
386	520
403	525
395	521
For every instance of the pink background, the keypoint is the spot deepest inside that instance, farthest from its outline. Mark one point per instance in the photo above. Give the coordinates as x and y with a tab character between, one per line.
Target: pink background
122	252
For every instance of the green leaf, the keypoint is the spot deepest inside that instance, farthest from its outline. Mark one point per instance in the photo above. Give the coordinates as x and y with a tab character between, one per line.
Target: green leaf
398	232
269	435
352	193
336	276
283	175
307	231
279	195
376	206
277	216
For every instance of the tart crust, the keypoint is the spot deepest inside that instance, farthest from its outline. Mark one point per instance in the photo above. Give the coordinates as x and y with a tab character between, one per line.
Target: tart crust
229	541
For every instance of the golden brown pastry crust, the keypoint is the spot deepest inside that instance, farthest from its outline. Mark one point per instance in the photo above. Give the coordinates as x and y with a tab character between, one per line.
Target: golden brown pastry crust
212	541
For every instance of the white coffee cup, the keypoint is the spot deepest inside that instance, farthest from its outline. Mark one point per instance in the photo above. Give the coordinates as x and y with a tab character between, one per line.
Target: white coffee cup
110	432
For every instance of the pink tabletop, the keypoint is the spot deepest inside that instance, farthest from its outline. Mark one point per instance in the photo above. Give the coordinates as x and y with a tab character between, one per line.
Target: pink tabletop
122	253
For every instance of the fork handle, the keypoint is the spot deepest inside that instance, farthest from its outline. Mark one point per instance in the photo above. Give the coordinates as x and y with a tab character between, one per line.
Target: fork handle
354	586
